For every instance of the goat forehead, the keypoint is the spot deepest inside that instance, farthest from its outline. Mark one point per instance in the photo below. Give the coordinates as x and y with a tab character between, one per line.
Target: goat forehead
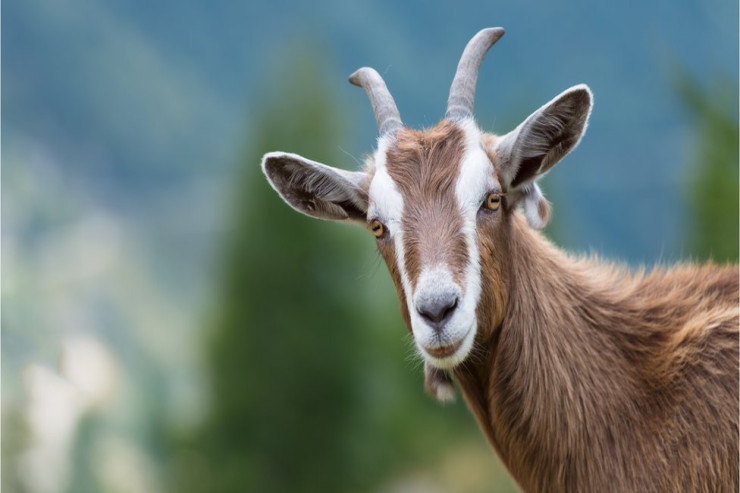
413	169
425	164
433	171
423	177
425	169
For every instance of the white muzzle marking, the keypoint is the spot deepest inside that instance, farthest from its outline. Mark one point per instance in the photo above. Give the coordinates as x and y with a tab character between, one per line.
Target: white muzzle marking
446	340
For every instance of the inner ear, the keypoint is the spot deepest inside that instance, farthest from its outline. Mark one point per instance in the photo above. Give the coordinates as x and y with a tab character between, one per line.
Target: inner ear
528	169
546	136
315	189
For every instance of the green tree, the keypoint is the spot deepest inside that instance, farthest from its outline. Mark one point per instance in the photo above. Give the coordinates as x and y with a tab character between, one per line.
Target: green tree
713	182
282	412
312	385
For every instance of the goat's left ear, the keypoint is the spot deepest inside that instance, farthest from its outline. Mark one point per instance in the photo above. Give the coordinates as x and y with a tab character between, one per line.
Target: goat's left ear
315	189
544	138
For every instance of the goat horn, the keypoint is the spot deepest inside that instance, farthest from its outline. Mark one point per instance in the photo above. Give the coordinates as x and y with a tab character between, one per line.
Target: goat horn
384	108
462	92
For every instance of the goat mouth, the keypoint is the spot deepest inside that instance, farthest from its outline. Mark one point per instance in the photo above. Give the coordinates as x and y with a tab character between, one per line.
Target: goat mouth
444	351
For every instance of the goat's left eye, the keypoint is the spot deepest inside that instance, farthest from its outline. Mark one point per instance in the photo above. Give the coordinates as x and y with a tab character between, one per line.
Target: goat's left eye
377	228
492	202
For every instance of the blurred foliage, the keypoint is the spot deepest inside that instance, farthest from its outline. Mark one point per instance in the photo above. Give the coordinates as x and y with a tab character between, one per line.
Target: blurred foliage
15	439
713	182
312	389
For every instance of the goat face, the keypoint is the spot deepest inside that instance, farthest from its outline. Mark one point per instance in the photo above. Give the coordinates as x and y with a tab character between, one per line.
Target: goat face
428	191
438	201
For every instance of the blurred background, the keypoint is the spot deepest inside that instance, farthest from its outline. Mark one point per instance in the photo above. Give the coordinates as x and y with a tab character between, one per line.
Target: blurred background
170	325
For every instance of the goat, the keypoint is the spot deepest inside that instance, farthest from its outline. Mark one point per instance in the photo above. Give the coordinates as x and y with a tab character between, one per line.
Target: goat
582	375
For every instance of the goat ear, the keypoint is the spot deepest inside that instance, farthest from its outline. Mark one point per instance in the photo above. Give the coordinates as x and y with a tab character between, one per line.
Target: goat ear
315	189
544	138
536	207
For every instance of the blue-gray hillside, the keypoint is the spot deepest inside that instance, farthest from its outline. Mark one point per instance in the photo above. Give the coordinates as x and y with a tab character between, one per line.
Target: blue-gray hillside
150	101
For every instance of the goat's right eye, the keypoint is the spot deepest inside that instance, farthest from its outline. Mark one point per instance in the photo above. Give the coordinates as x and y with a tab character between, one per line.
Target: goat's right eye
492	202
377	228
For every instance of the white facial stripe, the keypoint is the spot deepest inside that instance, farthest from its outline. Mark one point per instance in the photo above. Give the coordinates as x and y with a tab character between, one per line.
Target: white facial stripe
476	172
475	180
386	203
438	277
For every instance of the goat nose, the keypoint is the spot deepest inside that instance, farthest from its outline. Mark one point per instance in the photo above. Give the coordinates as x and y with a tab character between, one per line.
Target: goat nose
437	310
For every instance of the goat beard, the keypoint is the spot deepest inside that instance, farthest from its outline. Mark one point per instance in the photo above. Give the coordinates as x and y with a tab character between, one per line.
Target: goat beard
438	383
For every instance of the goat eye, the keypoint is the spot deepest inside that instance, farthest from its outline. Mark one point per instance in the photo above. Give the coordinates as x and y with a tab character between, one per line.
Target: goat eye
377	228
492	202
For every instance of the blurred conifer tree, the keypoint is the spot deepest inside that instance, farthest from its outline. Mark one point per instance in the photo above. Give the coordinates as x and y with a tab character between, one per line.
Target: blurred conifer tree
312	387
713	182
281	412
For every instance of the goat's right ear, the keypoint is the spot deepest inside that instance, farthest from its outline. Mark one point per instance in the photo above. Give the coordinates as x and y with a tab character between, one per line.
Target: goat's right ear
315	189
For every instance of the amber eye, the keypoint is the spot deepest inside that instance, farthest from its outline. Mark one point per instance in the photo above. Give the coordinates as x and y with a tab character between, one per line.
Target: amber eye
493	201
377	228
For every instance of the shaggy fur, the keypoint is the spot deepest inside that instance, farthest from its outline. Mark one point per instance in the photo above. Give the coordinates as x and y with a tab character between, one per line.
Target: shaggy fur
599	380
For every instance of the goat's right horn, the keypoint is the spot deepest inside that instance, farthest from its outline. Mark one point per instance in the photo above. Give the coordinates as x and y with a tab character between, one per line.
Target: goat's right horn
462	92
384	108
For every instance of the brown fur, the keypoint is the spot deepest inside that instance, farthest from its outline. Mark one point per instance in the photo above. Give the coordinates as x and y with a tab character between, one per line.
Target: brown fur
598	380
584	376
389	255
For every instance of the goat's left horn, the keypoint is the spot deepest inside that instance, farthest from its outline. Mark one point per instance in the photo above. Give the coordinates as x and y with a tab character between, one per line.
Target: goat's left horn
462	92
384	108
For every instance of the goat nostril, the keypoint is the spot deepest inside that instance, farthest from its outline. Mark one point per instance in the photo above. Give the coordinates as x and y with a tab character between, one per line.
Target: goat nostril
438	310
448	311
